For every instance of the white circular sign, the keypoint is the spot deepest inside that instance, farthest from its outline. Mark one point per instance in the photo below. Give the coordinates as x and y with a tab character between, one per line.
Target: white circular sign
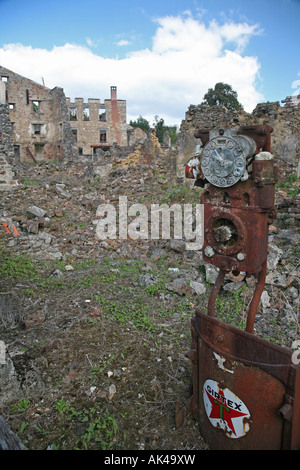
225	410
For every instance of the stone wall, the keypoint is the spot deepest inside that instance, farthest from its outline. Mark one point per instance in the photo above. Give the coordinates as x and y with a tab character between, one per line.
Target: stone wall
6	133
99	124
7	179
285	139
35	113
206	117
67	143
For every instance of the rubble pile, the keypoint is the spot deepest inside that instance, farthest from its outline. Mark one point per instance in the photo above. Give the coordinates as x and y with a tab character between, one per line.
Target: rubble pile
51	216
7	177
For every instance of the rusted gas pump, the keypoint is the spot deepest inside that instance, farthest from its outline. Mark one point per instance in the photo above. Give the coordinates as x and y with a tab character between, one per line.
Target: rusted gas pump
246	390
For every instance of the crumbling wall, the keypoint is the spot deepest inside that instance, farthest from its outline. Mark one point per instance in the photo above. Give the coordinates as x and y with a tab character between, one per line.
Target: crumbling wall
145	153
206	117
6	133
66	143
39	118
285	139
99	124
136	135
6	148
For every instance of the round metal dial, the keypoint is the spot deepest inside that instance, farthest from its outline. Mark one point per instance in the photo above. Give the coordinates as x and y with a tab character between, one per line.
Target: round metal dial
223	161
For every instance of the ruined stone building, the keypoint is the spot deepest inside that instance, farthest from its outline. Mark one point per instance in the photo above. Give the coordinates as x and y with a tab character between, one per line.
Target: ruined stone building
101	125
40	128
41	124
285	121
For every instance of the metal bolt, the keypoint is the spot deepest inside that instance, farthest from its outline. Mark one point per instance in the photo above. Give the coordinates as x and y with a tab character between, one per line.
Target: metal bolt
220	338
209	251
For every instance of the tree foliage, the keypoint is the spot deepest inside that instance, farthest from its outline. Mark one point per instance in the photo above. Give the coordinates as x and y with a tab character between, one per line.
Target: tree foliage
159	126
222	95
142	123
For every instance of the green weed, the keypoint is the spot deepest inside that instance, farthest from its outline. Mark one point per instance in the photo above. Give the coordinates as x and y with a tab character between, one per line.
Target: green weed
21	406
101	426
229	308
19	267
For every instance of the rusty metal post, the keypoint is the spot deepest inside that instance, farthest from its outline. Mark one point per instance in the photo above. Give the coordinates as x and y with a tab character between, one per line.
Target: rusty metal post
246	390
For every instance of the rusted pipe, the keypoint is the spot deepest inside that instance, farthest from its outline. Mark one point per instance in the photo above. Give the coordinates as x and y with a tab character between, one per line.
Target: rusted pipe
256	297
214	292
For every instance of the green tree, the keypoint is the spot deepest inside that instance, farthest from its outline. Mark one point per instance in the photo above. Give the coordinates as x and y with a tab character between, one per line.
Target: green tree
222	95
160	128
173	134
141	122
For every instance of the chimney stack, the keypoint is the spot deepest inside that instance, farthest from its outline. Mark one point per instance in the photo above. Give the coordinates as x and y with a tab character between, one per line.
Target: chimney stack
113	92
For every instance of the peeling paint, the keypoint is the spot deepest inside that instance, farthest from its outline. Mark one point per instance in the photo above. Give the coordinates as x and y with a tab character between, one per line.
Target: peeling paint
221	360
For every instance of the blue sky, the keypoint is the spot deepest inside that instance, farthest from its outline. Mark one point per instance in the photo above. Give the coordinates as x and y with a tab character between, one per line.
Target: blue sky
162	55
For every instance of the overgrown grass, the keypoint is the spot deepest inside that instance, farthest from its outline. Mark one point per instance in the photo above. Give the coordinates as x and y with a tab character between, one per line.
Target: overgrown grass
17	267
186	194
291	186
101	427
230	308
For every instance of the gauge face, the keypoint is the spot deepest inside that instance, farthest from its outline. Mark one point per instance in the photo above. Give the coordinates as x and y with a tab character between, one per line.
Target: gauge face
222	161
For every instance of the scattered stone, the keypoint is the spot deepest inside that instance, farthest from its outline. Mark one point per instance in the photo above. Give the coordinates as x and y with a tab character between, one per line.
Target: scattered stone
10	385
36	211
32	226
276	279
71	237
198	287
232	286
178	286
147	279
273	229
8	439
211	273
112	391
293	293
57	273
265	300
274	256
68	267
47	237
62	192
178	245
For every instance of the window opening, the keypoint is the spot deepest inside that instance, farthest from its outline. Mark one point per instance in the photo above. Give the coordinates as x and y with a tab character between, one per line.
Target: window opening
36	106
39	148
73	114
86	114
37	129
102	136
102	115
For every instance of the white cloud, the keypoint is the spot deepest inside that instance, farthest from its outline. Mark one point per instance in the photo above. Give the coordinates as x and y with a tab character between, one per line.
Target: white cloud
238	33
92	42
186	58
123	42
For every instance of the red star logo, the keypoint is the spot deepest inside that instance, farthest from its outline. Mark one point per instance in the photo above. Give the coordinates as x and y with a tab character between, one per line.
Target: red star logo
220	410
